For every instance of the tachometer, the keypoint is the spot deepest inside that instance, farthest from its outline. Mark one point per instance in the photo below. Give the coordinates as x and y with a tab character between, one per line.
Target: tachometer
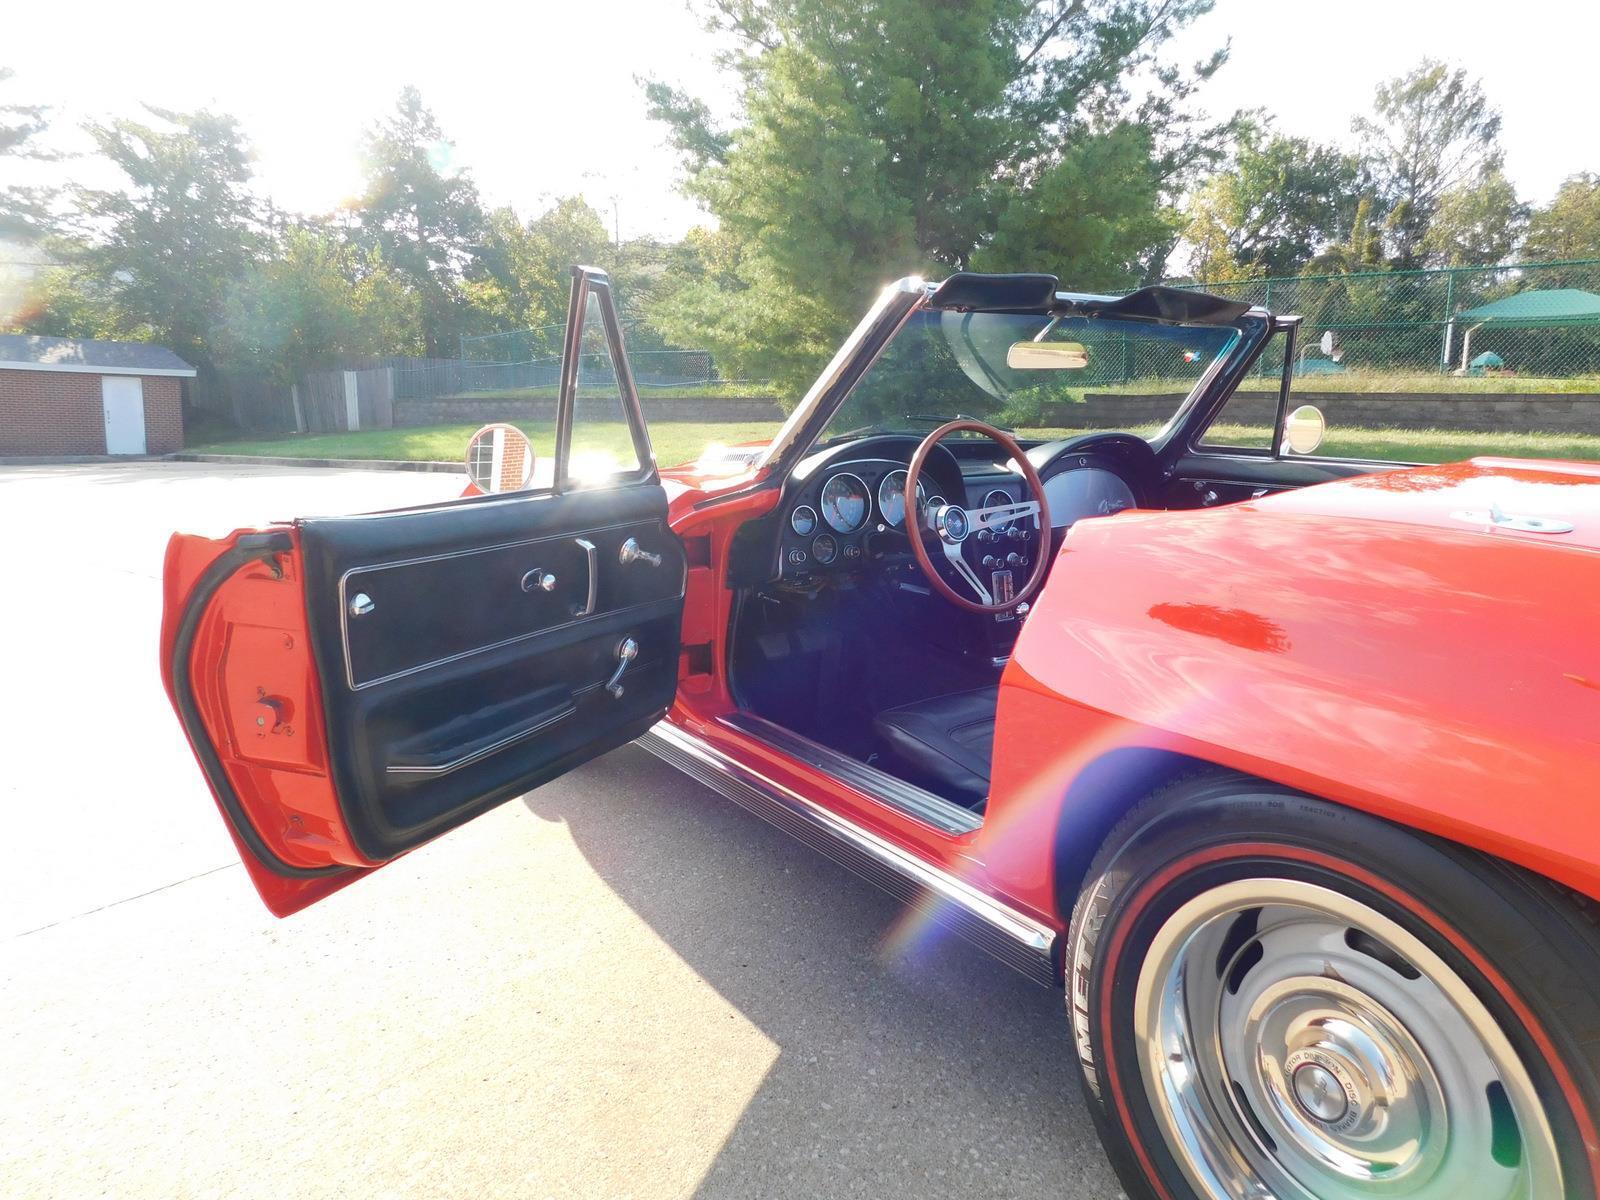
845	502
993	500
892	497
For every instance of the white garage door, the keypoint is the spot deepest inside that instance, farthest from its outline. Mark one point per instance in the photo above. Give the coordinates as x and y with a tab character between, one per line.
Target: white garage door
122	397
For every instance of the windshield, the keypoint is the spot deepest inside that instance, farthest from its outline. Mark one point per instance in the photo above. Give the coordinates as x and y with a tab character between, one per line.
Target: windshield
1039	376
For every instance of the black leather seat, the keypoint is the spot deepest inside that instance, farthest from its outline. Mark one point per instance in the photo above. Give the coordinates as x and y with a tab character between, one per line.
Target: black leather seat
948	738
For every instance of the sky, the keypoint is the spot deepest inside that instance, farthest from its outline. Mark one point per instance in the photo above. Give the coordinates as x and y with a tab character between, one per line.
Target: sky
541	98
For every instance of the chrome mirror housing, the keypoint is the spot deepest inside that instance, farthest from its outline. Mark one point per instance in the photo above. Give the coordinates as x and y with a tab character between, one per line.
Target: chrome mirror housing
1304	430
500	459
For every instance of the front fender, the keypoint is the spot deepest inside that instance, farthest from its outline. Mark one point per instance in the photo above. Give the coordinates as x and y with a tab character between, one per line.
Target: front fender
1449	681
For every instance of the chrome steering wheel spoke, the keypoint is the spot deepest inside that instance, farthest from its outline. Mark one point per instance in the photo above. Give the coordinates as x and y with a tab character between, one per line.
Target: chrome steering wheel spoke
1003	514
952	552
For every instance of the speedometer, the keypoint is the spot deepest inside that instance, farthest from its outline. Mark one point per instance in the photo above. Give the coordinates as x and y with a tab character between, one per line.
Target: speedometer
892	497
845	502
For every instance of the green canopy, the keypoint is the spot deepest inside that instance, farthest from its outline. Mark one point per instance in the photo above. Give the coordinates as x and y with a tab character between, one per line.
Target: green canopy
1537	310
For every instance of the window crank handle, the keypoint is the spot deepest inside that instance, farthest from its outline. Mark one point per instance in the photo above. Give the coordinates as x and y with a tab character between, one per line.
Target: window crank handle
627	651
632	552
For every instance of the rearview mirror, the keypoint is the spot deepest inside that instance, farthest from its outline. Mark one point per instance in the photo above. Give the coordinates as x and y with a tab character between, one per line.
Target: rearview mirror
1304	430
500	459
1047	356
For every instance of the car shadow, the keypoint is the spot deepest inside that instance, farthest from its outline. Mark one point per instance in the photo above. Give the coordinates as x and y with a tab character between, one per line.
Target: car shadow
908	1062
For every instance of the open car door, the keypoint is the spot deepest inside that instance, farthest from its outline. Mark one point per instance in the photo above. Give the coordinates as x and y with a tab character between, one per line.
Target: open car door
354	686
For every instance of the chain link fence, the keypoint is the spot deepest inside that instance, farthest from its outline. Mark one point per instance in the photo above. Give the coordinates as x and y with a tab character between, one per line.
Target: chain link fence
1518	327
522	359
454	377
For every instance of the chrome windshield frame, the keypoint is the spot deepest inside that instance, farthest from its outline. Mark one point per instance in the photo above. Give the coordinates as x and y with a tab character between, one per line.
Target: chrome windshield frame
901	300
855	356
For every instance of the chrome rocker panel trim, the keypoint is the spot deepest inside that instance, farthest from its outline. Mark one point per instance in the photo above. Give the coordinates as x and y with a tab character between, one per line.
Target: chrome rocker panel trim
1015	939
917	803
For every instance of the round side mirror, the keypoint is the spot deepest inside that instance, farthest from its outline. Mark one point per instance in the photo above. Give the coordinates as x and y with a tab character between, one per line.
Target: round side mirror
1304	430
500	459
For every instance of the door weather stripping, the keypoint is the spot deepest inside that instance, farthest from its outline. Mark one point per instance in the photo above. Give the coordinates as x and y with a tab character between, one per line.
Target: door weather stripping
1017	940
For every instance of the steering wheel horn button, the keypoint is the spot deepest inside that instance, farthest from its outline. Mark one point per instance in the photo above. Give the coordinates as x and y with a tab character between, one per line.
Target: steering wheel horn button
952	524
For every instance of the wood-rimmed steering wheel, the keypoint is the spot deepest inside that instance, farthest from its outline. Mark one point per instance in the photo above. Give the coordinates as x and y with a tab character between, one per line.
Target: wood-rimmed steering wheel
951	525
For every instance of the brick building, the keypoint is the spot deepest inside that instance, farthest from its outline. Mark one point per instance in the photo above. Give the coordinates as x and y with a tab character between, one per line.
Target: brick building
75	396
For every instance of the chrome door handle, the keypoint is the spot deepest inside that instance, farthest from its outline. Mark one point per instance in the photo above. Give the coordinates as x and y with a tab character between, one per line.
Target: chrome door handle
594	578
632	552
627	651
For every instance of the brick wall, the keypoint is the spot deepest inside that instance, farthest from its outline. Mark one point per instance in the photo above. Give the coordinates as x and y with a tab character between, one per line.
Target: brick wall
58	412
1474	411
163	414
463	410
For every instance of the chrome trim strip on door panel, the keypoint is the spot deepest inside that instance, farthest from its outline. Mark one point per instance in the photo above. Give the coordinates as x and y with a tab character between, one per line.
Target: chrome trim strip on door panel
588	615
483	752
1015	939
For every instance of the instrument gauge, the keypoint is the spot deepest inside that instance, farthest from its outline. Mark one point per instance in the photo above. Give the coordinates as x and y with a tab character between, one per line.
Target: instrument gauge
845	503
892	498
994	498
803	520
825	549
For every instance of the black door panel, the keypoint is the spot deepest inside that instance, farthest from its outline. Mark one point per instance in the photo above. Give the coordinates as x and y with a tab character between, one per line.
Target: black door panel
460	687
1200	479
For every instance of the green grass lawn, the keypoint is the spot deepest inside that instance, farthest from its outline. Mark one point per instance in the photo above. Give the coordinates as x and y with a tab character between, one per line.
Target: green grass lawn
729	388
1424	445
683	441
674	441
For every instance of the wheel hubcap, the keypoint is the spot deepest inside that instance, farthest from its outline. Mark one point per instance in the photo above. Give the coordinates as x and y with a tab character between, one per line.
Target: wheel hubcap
1297	1044
1321	1094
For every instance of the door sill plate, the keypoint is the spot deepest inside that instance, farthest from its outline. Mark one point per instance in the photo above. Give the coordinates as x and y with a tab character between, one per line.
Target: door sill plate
1022	943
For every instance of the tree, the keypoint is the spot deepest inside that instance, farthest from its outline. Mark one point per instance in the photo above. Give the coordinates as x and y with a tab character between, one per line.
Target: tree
159	255
1089	217
895	136
1282	200
1570	226
1361	252
316	299
522	277
1214	215
63	301
1476	224
423	218
23	210
1434	131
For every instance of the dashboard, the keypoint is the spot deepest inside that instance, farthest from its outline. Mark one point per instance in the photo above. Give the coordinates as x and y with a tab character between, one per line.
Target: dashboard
846	509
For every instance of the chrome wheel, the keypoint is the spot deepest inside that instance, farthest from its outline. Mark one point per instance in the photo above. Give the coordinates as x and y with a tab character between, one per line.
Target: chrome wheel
1296	1044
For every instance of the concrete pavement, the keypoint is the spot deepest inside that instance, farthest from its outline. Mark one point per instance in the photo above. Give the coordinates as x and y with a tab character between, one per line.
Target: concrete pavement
619	986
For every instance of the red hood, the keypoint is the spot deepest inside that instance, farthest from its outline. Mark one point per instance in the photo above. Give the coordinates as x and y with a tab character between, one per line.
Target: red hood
1442	497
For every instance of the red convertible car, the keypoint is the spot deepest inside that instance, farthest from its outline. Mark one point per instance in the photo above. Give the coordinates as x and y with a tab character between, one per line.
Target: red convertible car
1285	767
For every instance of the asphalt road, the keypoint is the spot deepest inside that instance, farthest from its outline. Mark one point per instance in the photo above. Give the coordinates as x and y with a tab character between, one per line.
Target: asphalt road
619	986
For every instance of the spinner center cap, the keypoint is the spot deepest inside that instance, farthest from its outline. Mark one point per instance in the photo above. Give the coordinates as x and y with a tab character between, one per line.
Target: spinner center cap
1319	1093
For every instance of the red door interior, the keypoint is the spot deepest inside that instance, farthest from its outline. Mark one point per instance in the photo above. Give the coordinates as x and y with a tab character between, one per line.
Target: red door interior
354	686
